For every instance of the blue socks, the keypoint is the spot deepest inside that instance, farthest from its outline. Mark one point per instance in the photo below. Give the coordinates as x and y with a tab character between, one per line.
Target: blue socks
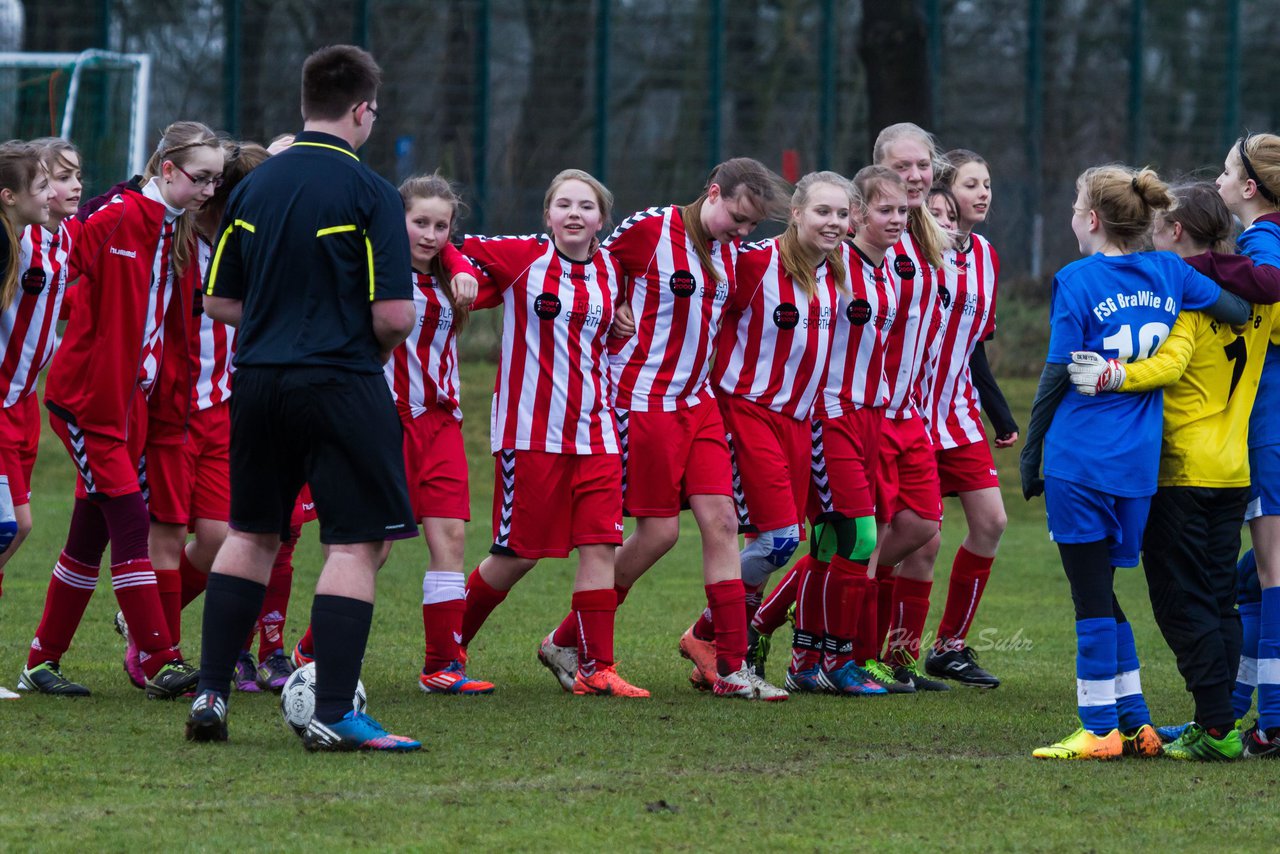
1096	674
1131	706
1269	660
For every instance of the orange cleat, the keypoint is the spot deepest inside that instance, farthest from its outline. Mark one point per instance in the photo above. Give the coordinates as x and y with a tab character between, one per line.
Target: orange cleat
606	682
1143	743
702	653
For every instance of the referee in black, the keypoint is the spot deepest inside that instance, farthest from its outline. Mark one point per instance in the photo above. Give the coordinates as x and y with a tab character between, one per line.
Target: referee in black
311	263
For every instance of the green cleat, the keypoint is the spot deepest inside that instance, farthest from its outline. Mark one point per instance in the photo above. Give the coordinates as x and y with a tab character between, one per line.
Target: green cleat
757	650
1197	745
881	673
47	678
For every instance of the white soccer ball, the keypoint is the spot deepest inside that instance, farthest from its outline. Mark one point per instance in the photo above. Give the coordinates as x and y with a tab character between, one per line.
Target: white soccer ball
298	698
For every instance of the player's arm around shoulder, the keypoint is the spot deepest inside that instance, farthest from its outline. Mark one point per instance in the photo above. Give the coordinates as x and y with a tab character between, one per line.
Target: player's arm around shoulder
1169	363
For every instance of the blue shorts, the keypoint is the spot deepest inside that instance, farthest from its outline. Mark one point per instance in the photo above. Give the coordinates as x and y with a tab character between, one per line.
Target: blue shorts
1078	514
1264	486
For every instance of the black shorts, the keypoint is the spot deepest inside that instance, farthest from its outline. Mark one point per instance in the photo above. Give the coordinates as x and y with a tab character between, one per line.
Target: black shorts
333	429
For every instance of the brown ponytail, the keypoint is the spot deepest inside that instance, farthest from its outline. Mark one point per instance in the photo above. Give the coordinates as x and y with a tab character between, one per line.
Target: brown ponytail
765	191
435	186
175	145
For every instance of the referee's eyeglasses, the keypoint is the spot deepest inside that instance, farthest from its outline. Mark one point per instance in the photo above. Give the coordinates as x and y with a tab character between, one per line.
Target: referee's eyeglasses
202	181
368	107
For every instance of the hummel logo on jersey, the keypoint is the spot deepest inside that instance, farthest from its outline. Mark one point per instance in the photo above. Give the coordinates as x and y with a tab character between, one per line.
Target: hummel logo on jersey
617	526
128	253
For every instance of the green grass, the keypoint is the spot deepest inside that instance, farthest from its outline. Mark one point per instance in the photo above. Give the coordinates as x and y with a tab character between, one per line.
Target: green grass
530	768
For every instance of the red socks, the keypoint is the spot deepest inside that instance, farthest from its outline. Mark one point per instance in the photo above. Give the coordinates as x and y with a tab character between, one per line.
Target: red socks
910	610
773	611
481	600
969	574
193	580
306	644
842	601
595	611
725	602
275	604
806	646
866	630
70	589
169	584
566	634
135	587
884	605
442	626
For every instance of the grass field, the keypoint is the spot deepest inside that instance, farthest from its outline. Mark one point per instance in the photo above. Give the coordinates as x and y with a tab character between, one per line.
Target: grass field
530	768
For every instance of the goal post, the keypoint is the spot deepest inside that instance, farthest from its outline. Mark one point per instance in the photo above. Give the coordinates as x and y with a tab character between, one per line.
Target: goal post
95	98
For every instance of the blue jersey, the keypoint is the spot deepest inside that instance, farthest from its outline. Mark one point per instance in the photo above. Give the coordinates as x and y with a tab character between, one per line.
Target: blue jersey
1261	242
1121	306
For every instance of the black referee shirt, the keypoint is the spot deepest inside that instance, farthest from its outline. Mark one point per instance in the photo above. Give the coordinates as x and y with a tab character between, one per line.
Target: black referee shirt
309	239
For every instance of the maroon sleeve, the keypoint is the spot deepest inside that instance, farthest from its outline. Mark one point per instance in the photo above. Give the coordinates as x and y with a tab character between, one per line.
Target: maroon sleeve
1258	283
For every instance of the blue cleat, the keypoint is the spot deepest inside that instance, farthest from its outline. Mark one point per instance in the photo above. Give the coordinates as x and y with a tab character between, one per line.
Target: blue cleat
356	731
852	681
1171	733
811	681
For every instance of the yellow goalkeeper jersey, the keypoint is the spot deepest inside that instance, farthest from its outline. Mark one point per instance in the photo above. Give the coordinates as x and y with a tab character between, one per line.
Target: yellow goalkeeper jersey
1209	371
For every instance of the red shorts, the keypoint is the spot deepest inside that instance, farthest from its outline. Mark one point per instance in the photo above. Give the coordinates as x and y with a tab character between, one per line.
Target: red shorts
19	441
676	454
189	479
435	463
771	470
967	468
845	457
106	467
545	505
908	472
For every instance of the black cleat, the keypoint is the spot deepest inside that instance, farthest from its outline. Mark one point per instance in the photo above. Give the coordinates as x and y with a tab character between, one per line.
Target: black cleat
961	665
47	678
1258	746
172	681
208	718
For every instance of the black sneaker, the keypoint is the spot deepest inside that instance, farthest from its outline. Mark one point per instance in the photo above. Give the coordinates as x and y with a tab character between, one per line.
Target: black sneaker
47	678
907	669
1258	746
961	665
884	677
174	679
208	718
757	650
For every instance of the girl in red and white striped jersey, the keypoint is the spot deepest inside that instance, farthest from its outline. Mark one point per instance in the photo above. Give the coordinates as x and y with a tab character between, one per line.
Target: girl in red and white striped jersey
909	508
423	376
952	410
771	366
123	370
34	270
558	478
830	584
679	263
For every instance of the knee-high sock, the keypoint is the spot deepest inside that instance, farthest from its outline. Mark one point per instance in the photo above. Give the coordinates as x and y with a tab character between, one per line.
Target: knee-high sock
193	580
843	595
275	605
1269	660
773	610
884	606
341	635
1096	674
810	630
566	634
866	631
71	584
481	600
134	581
443	603
1131	706
595	610
230	607
969	574
1247	673
910	610
724	601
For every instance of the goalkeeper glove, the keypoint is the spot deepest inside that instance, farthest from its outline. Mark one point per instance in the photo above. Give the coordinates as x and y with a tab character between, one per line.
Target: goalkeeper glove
1092	374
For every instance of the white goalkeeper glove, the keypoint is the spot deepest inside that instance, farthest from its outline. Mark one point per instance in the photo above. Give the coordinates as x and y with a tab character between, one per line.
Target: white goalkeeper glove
1092	374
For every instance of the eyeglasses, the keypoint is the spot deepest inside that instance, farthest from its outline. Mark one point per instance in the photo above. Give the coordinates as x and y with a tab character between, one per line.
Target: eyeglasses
214	181
369	107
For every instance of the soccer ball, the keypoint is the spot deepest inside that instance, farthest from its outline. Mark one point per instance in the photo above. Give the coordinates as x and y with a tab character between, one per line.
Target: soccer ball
298	698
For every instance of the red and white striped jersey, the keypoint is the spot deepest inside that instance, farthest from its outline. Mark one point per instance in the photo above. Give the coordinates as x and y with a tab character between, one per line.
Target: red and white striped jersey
863	320
775	343
157	305
908	360
552	391
423	371
677	306
28	334
968	300
215	345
